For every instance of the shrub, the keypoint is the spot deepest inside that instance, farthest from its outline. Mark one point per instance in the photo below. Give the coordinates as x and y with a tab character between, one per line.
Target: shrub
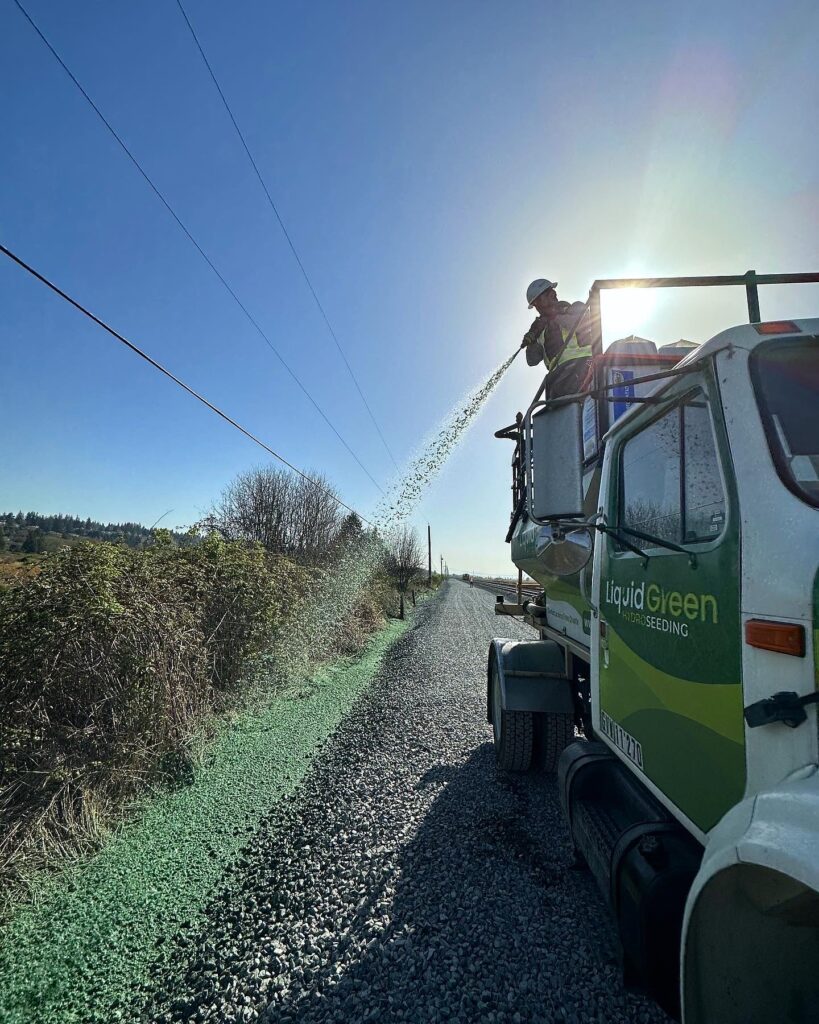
110	658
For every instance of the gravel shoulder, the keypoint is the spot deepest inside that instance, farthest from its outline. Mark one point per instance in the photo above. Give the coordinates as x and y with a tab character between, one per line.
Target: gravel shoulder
405	879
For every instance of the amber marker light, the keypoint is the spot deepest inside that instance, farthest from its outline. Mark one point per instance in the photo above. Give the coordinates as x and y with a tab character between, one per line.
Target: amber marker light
780	637
777	327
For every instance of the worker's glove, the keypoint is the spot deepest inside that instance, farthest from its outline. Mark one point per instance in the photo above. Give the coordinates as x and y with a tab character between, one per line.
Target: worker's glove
532	334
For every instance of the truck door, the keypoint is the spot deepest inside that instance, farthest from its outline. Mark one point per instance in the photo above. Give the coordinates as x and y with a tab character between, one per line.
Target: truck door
670	696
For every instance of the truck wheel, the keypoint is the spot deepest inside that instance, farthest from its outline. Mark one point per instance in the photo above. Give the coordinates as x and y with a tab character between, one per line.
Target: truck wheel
514	731
555	733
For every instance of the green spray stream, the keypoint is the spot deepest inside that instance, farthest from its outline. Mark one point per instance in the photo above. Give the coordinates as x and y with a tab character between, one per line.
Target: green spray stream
405	494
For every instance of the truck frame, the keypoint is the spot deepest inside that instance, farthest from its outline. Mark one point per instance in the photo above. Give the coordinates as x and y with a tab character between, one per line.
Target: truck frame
669	513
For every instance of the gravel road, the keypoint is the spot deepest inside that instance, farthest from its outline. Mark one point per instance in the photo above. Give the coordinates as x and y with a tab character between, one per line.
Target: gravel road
406	880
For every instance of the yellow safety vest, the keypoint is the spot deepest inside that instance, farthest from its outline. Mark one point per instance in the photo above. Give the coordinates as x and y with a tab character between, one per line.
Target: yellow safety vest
574	350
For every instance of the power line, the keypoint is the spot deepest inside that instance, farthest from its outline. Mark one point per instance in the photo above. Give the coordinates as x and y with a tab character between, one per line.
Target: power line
185	387
286	233
199	248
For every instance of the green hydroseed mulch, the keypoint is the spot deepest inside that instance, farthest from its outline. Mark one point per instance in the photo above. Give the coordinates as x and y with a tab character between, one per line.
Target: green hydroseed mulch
93	932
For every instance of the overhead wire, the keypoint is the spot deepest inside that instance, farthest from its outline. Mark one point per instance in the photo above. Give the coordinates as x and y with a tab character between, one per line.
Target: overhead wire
191	238
171	376
285	232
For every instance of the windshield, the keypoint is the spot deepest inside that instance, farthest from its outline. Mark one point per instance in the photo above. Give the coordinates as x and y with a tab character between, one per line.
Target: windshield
786	380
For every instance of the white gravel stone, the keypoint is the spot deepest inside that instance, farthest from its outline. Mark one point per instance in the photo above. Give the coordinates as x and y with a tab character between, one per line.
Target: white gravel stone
407	880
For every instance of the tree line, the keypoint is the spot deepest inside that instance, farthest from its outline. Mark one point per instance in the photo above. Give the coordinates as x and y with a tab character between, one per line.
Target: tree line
30	532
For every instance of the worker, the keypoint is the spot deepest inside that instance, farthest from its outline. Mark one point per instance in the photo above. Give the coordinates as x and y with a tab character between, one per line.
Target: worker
567	363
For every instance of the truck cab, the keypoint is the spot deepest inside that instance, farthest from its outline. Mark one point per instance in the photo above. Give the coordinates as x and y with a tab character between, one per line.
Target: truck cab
670	515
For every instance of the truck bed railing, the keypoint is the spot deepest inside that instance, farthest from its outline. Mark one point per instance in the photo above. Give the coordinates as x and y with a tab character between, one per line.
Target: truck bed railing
750	280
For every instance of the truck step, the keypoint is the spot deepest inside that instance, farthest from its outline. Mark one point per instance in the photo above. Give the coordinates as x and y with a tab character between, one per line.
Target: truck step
640	856
595	832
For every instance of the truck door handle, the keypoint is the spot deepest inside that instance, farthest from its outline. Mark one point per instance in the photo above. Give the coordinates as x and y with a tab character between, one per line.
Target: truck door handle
786	706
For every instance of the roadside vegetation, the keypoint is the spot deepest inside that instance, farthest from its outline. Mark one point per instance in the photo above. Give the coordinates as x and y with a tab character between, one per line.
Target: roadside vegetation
116	660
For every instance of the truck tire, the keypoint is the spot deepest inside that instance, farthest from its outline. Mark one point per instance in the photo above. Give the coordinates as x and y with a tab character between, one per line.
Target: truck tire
514	732
555	733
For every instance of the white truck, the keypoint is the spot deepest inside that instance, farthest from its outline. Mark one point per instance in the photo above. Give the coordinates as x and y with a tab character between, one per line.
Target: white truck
670	515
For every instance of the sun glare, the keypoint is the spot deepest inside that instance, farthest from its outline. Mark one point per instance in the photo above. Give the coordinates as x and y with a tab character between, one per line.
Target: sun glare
626	312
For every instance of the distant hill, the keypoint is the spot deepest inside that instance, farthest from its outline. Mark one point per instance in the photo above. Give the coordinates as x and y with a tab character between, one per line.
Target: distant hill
32	533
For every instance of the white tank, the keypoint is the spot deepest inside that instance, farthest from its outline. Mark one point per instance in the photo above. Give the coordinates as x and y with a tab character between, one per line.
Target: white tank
680	348
632	346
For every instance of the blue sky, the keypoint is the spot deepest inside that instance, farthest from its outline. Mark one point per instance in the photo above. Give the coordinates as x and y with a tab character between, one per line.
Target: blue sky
429	160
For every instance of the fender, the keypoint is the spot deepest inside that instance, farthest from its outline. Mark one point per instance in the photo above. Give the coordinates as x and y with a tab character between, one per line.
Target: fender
759	877
532	677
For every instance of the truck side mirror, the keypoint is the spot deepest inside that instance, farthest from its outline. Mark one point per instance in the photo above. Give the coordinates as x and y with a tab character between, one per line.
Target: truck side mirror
564	551
554	438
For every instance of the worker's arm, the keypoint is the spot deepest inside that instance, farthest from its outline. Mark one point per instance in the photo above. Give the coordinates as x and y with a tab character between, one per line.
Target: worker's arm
534	353
534	350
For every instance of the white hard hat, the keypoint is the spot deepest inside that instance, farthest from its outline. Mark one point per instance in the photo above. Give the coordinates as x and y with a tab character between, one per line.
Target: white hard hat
538	287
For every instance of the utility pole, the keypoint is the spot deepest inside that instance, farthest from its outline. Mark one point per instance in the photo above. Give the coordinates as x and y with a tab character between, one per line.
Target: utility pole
442	565
429	554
